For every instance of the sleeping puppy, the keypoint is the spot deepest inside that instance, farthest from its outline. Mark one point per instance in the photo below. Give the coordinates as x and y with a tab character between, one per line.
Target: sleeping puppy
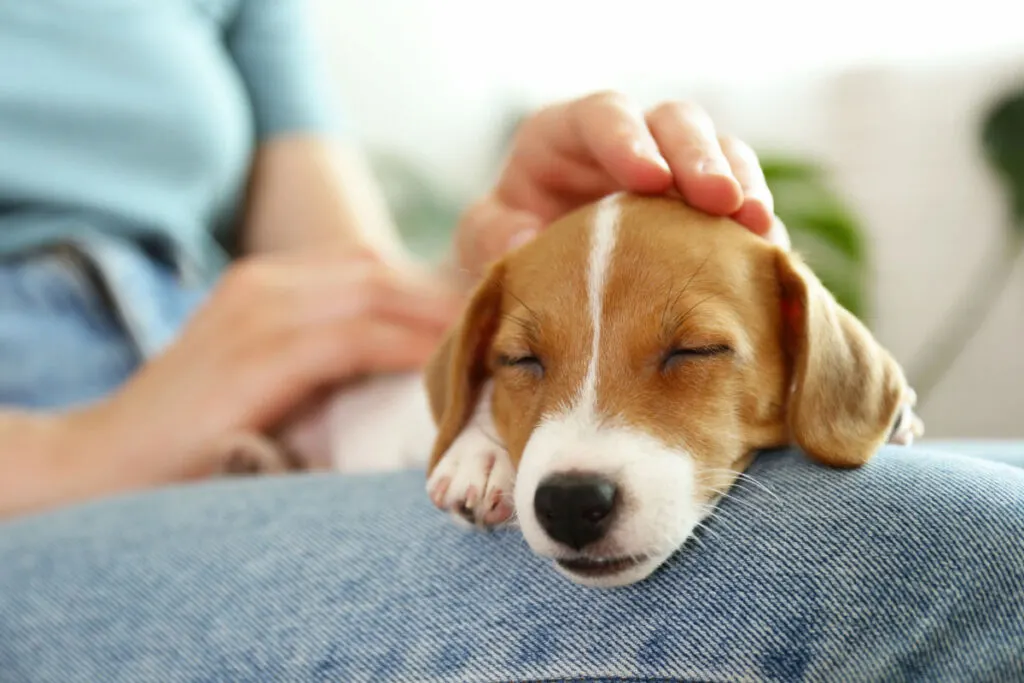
611	379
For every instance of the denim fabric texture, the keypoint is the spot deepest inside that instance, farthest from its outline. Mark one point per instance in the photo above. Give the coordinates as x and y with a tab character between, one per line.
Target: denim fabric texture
909	569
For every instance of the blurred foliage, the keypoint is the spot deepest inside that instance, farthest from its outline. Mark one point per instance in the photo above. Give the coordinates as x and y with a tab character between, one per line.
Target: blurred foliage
1002	144
425	212
821	226
1002	140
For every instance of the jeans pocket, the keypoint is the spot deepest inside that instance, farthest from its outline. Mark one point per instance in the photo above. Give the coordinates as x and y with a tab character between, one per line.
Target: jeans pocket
60	341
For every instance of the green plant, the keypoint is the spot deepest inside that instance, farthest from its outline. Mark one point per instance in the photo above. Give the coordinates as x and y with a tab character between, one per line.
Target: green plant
821	226
1002	143
424	211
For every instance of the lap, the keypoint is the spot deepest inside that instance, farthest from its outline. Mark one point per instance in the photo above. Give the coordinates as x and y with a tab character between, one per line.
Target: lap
1010	452
911	568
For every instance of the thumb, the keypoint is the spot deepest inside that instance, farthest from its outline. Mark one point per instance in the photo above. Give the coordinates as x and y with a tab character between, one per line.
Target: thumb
489	229
380	346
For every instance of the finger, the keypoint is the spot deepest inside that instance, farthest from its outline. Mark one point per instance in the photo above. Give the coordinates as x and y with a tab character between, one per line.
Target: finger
757	211
274	287
313	293
343	351
411	299
271	376
574	152
610	130
687	138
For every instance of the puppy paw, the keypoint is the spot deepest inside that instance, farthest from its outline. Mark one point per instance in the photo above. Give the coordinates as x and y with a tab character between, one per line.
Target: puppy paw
473	481
908	425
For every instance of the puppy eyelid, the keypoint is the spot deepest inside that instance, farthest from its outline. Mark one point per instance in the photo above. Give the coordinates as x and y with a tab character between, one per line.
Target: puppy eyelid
696	353
708	350
526	361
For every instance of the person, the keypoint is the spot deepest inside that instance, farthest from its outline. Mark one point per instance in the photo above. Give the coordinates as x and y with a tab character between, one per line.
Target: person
137	151
123	326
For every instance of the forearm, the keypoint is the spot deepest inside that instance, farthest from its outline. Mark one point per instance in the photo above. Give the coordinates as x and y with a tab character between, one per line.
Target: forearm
34	471
306	192
50	459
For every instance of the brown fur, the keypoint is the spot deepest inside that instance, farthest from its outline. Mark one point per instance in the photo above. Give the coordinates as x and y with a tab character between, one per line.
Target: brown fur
802	369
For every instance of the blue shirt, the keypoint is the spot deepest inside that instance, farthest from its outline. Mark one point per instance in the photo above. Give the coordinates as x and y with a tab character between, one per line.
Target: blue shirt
139	118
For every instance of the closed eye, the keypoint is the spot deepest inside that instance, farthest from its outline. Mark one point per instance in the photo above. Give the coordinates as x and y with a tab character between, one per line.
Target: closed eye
695	353
530	363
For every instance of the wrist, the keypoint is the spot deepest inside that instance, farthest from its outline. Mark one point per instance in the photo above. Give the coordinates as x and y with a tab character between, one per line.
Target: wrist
93	451
133	445
29	458
451	271
52	459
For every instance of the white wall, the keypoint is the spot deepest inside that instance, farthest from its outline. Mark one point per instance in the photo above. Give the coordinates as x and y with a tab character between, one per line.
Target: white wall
886	93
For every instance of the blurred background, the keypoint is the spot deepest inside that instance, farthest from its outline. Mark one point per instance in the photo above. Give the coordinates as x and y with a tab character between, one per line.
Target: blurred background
892	134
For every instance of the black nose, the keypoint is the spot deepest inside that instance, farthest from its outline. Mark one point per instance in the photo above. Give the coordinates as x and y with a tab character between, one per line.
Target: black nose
575	509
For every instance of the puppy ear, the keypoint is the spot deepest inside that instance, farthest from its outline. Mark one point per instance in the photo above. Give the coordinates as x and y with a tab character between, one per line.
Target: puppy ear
848	394
459	367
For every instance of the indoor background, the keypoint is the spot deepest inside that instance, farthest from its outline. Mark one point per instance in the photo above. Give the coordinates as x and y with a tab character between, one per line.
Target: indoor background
870	118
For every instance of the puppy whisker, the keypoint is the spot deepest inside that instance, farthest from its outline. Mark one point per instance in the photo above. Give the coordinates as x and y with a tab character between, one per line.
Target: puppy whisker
744	477
740	477
723	495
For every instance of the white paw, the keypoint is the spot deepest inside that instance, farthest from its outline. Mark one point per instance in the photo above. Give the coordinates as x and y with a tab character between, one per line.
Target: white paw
474	480
908	425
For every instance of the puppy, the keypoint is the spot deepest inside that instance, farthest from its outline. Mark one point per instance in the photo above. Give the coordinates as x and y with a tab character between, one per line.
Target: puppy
610	380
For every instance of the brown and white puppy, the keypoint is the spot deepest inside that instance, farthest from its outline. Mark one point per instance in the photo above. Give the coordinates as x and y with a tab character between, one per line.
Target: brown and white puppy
610	380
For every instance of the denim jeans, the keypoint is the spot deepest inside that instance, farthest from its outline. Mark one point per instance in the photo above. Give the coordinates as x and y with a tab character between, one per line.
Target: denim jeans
76	321
909	569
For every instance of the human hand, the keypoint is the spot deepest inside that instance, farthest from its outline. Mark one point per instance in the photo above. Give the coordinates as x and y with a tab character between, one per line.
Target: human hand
275	330
572	153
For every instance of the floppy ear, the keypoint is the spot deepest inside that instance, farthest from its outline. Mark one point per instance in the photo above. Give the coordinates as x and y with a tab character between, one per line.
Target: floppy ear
848	394
458	368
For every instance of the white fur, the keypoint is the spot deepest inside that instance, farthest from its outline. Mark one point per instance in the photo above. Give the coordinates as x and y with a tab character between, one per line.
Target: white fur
659	508
476	463
378	424
602	245
384	424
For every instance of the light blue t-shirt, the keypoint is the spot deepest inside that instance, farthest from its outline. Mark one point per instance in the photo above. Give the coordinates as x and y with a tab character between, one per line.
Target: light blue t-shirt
139	118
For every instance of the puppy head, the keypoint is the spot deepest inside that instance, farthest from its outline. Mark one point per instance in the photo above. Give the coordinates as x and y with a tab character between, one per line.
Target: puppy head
639	353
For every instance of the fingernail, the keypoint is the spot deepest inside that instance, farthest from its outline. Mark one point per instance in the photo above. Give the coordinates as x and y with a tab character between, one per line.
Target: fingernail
522	237
648	149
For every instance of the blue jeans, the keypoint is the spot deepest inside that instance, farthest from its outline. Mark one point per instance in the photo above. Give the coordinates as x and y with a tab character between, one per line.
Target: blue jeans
909	569
76	321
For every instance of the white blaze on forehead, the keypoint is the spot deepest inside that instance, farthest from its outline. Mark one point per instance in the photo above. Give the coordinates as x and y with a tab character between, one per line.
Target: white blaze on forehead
657	510
571	436
602	244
